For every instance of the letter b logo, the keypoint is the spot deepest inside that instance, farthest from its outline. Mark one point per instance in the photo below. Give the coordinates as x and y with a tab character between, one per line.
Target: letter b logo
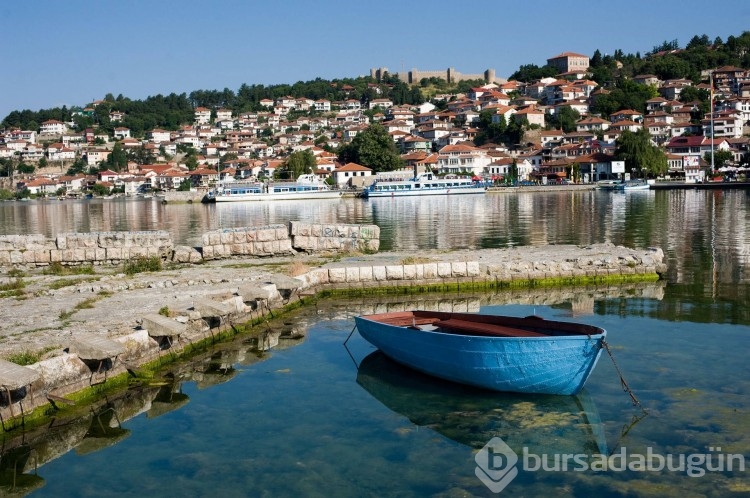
496	464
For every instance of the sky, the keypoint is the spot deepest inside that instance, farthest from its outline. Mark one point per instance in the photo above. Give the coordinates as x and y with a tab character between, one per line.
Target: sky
73	52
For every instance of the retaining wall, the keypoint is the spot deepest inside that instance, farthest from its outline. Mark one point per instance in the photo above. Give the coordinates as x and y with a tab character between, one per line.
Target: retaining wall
116	247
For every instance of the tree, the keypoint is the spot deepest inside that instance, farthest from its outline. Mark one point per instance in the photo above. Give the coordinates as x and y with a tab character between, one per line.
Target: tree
641	156
513	173
100	189
564	119
117	159
26	169
531	72
373	148
43	162
721	158
298	163
78	166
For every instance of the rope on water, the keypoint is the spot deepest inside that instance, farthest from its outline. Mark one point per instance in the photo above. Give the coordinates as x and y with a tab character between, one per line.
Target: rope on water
623	382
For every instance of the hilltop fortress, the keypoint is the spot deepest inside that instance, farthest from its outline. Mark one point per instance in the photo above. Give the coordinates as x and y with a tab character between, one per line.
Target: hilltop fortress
450	75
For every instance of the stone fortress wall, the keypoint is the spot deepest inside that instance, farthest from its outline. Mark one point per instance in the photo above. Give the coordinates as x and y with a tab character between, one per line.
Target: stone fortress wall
450	75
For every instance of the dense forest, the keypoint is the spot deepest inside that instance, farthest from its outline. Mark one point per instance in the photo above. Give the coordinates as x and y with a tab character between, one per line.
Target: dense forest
666	61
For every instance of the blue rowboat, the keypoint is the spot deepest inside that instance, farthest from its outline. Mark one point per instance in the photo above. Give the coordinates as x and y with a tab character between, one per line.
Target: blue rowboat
501	353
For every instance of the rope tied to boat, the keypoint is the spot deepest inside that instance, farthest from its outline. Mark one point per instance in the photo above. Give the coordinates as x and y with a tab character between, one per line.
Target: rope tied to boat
623	382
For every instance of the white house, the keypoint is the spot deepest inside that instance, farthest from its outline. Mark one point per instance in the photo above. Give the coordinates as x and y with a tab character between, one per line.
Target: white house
461	158
52	127
158	136
323	105
223	114
202	115
351	174
122	132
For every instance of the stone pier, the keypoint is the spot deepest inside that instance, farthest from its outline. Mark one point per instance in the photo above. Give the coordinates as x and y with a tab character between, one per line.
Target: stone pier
163	313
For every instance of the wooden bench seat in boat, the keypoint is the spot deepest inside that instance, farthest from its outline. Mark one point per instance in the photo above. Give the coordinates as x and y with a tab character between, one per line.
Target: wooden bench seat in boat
484	329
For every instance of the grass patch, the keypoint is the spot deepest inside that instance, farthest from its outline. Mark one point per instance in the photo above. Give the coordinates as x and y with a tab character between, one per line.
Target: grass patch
296	268
165	311
24	358
86	304
15	273
63	282
415	260
140	265
14	288
16	284
60	270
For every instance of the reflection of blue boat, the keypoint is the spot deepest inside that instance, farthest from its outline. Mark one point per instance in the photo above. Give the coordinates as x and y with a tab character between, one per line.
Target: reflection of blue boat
526	355
543	423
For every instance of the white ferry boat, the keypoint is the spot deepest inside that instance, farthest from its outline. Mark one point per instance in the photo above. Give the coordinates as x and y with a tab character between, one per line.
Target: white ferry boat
305	187
424	184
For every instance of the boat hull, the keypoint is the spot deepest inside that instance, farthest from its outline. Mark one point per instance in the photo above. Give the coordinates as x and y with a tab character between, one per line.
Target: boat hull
541	365
434	191
281	196
424	184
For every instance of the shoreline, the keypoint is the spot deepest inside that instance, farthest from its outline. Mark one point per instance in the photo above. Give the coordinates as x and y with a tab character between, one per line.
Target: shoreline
132	322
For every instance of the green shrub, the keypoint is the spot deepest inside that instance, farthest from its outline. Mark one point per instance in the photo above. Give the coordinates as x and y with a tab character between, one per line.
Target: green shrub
58	269
24	358
140	265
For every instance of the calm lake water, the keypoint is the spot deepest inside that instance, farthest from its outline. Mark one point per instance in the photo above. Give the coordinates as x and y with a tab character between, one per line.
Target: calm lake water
301	419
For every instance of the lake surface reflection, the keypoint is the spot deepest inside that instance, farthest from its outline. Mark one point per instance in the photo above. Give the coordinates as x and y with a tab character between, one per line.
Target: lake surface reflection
289	413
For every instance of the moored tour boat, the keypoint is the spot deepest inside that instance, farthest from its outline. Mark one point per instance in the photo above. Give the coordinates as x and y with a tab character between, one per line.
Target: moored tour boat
424	184
633	185
305	187
501	353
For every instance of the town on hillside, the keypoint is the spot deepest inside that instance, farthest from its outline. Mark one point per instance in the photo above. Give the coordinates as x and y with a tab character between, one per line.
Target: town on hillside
558	136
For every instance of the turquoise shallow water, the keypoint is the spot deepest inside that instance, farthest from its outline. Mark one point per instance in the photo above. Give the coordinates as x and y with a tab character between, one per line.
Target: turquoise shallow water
295	421
300	420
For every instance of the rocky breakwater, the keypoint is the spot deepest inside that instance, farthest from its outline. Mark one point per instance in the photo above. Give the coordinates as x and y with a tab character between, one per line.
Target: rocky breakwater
131	325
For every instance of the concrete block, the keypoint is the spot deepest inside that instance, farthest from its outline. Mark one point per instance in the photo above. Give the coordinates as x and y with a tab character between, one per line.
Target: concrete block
211	308
365	274
458	269
472	269
258	290
394	272
444	270
337	275
410	272
161	326
430	270
352	274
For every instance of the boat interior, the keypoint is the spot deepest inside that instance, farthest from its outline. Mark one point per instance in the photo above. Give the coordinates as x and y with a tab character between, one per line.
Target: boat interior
483	325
